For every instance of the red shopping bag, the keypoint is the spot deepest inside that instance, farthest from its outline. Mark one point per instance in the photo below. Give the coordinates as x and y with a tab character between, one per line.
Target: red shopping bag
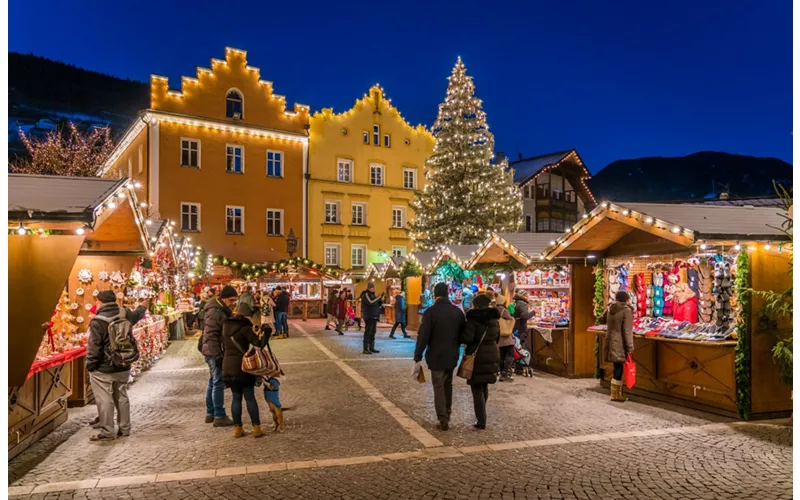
629	372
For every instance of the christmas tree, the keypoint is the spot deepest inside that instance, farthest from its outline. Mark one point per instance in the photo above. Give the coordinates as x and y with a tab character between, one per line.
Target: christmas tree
466	196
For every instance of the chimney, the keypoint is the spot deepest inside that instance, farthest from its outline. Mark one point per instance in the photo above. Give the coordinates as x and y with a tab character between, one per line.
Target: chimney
499	157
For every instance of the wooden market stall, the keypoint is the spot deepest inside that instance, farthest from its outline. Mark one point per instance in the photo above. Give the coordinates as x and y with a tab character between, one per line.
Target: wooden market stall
696	262
559	291
305	281
68	238
386	276
417	285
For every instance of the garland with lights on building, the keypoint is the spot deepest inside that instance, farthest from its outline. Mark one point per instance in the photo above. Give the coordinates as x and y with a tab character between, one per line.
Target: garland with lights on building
465	195
599	310
742	363
252	271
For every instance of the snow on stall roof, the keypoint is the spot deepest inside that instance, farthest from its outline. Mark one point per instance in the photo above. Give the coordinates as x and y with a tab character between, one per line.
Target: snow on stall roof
425	258
531	244
527	168
51	194
463	252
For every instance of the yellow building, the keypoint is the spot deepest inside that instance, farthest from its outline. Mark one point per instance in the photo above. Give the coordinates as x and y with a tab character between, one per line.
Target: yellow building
223	158
364	167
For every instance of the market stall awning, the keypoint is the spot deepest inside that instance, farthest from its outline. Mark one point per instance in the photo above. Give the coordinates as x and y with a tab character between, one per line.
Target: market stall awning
629	226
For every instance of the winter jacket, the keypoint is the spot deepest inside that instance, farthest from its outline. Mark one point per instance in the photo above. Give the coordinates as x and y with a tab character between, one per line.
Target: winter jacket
487	359
371	305
247	298
522	315
439	335
237	328
332	298
98	349
466	298
400	309
214	316
340	308
282	302
508	340
619	336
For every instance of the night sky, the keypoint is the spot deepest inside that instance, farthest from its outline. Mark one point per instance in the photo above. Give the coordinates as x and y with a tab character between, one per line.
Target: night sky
614	79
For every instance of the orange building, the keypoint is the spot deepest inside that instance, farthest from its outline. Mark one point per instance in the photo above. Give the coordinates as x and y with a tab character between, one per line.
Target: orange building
223	159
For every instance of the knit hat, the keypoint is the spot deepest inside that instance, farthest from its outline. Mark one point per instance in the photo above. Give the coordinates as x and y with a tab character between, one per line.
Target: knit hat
228	292
481	302
244	309
440	290
107	296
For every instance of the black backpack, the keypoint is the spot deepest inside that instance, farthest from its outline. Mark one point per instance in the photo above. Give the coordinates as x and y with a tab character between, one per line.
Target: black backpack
122	346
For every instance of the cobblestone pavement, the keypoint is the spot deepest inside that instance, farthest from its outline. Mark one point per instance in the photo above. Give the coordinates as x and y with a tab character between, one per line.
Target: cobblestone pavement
354	427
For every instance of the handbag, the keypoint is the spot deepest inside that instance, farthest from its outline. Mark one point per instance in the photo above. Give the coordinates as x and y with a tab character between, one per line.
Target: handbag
629	371
506	327
468	362
257	362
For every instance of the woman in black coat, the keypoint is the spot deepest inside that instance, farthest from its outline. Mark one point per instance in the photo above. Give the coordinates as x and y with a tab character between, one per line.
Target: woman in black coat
237	337
481	334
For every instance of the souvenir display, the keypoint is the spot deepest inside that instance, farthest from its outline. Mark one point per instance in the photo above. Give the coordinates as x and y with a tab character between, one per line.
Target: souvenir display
548	295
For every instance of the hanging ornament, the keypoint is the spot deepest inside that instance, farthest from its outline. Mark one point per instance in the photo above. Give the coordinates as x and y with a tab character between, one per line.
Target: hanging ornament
88	307
103	275
74	306
79	292
95	293
117	279
79	320
85	276
120	295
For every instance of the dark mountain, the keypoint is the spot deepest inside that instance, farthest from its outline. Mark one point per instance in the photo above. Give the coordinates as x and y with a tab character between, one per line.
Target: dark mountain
44	94
699	175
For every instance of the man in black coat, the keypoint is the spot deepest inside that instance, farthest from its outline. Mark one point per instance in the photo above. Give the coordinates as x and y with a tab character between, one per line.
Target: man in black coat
371	305
281	312
109	381
217	310
439	337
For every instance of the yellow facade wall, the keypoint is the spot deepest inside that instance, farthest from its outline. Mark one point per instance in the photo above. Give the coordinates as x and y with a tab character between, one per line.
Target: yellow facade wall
334	137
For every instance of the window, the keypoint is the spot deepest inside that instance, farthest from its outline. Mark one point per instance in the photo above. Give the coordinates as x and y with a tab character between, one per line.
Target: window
345	170
234	105
365	137
398	251
398	217
332	251
274	163
332	210
387	141
358	256
234	218
235	159
410	178
141	158
528	223
190	153
275	222
376	174
542	225
527	192
359	214
190	217
376	135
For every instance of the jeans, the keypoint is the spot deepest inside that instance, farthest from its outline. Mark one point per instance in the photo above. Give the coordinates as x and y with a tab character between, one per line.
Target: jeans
480	394
236	405
111	393
442	393
369	332
281	326
618	371
507	359
402	327
215	393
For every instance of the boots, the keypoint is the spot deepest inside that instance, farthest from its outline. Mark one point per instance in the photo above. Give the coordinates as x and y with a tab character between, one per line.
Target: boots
616	391
372	348
366	348
238	431
257	431
277	417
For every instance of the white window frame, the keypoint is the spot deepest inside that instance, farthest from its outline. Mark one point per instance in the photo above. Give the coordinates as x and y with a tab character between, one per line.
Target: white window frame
387	140
197	141
226	158
363	207
363	249
379	166
342	162
338	207
402	251
413	172
402	210
199	209
376	135
277	211
227	207
281	163
338	247
141	158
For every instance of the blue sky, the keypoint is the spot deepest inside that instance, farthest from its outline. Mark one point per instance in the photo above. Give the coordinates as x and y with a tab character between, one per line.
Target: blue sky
615	80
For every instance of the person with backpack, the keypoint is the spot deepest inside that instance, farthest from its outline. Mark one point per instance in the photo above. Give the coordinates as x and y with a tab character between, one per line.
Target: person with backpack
110	352
217	310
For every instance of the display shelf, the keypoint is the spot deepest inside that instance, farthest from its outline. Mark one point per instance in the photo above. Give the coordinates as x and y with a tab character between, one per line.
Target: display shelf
544	287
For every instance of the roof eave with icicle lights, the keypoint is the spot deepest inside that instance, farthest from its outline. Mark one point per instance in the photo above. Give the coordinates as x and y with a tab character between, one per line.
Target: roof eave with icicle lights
508	247
429	258
583	178
377	269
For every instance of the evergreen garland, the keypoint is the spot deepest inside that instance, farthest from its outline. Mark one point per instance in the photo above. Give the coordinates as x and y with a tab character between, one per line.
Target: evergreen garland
599	310
742	364
252	271
409	268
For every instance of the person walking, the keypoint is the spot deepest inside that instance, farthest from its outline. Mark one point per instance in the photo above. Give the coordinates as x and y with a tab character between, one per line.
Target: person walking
281	311
371	312
481	334
619	339
238	336
439	337
333	296
340	312
217	310
399	315
506	342
109	352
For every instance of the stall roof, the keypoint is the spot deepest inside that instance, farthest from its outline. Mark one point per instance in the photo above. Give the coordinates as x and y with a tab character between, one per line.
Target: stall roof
425	259
51	197
531	244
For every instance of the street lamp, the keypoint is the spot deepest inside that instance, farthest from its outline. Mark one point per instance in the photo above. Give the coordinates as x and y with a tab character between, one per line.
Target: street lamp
291	243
